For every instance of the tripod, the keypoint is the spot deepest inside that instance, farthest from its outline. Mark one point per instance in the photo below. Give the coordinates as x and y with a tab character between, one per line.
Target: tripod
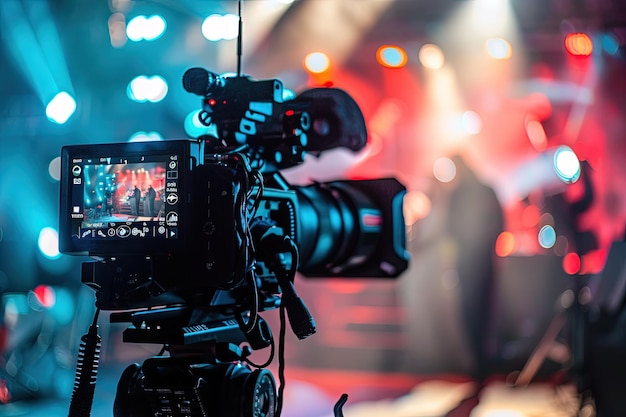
207	372
593	311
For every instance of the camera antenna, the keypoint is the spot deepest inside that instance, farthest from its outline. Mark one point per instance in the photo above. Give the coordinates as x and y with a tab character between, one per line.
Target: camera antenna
239	35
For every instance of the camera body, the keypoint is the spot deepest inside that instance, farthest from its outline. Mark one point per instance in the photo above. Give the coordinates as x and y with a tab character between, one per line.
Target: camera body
193	238
182	221
186	240
159	220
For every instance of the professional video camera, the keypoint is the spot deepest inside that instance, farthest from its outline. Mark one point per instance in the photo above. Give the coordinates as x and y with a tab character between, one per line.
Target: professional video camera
194	238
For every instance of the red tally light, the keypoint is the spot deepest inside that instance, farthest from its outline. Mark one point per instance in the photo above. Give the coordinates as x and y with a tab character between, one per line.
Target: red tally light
578	44
212	102
290	113
45	296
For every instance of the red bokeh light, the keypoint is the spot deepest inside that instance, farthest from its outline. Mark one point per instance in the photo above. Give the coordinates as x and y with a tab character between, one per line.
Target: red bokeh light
505	244
578	44
45	296
571	263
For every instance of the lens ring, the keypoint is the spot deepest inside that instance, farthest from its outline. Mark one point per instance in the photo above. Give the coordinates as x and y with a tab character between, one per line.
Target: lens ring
260	395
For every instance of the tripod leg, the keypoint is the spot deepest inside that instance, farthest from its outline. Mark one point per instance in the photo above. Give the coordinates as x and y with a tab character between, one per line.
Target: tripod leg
540	353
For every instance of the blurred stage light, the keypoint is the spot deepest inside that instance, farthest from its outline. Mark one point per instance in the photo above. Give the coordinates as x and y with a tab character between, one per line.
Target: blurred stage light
45	296
566	164
15	304
31	37
536	134
444	169
58	301
578	44
471	122
146	28
145	137
485	12
117	30
571	263
431	56
547	237
143	88
220	27
317	62
61	107
498	48
48	242
546	218
416	206
610	43
391	56
531	216
505	244
551	171
561	245
121	5
54	168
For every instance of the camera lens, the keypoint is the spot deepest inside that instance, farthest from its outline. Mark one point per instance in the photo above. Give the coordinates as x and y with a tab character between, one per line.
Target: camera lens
334	230
261	395
248	393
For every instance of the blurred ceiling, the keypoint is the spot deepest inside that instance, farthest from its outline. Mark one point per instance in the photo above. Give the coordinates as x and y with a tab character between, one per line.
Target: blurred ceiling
354	28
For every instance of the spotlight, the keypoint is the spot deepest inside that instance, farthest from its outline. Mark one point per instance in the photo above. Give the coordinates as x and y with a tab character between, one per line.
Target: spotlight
566	164
144	88
499	48
431	56
220	27
146	28
391	56
49	242
61	108
317	62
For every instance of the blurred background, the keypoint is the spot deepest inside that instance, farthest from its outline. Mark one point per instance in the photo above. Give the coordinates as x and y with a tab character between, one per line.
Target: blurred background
504	119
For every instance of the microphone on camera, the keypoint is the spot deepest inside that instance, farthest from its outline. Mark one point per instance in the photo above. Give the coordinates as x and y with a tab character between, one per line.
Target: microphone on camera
202	82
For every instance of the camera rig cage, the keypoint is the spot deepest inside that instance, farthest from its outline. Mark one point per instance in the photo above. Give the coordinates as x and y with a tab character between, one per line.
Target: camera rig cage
219	240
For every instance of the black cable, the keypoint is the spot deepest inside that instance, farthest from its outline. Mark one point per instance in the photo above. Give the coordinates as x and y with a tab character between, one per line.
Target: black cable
248	326
269	359
300	319
258	179
86	371
338	409
281	361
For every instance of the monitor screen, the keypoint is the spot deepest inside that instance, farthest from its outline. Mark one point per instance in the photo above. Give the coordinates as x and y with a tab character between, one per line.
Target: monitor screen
117	193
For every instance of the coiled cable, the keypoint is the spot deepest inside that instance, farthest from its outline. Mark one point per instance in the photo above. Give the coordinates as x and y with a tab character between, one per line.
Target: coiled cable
86	371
